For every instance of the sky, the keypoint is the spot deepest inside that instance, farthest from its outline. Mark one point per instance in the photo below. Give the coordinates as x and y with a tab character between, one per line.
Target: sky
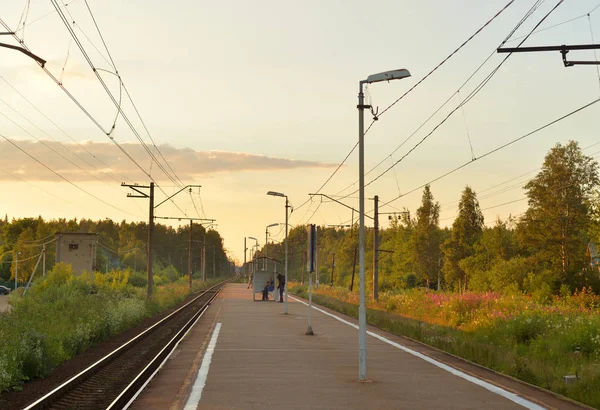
245	97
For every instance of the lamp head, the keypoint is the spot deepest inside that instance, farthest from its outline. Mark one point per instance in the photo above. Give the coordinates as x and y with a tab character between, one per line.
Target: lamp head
273	193
388	75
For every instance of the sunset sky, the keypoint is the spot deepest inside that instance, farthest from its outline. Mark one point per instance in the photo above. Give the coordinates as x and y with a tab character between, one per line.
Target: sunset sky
243	97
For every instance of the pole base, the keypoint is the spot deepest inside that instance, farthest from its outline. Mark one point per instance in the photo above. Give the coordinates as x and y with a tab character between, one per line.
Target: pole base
309	332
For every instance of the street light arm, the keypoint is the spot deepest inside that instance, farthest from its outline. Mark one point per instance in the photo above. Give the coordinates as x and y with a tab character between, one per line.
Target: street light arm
339	202
40	60
187	186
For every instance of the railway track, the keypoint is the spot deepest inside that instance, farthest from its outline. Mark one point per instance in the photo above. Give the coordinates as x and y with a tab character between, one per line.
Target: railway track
114	380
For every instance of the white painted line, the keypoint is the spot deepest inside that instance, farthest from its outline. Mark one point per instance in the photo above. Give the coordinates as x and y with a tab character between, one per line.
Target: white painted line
488	386
196	394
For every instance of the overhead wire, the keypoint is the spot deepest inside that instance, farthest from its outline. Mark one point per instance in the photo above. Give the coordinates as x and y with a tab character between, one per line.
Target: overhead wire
448	57
40	188
471	95
41	17
118	105
50	147
66	133
57	7
109	93
129	95
501	147
63	178
530	11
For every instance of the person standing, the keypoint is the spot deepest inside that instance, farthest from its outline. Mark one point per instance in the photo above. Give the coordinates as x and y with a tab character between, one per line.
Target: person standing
280	286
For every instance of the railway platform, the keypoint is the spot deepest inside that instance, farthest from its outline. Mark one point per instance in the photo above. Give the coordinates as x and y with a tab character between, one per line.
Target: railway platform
249	355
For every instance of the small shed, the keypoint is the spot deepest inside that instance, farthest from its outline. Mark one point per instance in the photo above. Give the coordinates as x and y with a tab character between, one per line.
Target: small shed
263	269
78	249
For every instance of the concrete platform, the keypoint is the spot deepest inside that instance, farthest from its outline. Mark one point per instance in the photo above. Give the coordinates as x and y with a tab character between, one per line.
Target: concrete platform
262	358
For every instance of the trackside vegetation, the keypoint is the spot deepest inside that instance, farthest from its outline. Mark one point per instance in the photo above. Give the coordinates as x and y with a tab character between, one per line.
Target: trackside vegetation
62	315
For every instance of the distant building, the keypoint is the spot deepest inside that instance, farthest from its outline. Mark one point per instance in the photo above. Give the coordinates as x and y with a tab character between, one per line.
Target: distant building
78	249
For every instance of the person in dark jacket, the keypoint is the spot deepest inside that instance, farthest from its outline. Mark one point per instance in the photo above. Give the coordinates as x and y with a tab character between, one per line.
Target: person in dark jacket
268	288
280	286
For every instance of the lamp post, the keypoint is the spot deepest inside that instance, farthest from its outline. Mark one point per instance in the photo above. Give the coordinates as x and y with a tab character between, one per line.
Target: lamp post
16	268
362	313
287	205
252	254
267	240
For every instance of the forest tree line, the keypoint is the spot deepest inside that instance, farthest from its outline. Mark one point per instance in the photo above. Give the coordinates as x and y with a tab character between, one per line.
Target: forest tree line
119	246
547	250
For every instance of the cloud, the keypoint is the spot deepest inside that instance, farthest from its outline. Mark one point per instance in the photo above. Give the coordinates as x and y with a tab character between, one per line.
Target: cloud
90	160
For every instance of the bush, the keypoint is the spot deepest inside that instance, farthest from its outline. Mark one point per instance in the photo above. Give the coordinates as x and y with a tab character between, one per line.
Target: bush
63	315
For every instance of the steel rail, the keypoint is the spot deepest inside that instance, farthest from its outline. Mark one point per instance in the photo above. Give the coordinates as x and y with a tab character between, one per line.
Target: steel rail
56	393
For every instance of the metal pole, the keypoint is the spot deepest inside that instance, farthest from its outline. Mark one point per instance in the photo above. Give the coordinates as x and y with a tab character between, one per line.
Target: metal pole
150	234
190	256
353	269
245	251
362	313
309	331
317	256
376	250
203	262
44	261
266	242
287	205
16	269
332	267
214	262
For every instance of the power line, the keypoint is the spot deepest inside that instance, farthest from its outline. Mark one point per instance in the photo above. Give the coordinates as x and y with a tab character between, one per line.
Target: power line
469	97
40	188
49	147
108	92
527	15
448	57
62	177
43	16
128	95
558	24
496	149
63	131
107	133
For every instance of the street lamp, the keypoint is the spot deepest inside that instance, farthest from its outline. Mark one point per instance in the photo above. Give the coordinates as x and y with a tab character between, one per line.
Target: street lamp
362	313
287	205
252	250
267	240
16	268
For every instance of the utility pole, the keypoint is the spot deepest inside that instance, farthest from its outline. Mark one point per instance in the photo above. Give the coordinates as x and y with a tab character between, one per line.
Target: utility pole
141	194
245	251
376	250
44	260
353	269
190	255
204	261
332	267
317	256
214	262
303	267
150	235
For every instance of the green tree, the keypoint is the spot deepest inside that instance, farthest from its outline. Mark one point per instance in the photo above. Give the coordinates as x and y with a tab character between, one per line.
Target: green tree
426	252
466	231
554	228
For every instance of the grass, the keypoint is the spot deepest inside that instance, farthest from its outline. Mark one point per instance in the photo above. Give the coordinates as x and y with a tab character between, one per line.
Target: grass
63	315
513	335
